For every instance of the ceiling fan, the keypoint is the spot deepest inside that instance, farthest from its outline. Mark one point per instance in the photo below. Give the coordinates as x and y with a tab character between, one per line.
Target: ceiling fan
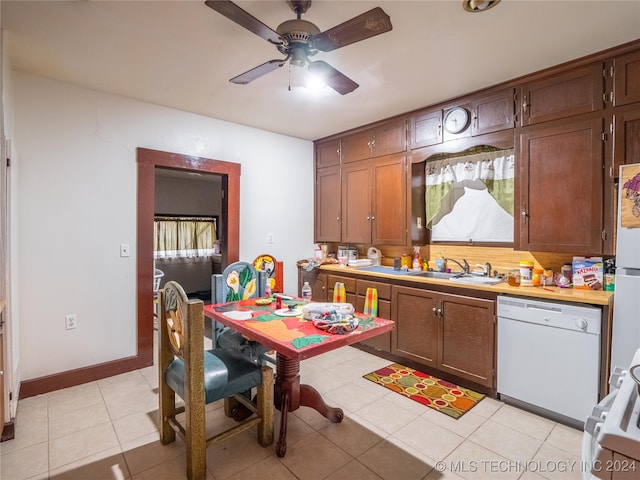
299	39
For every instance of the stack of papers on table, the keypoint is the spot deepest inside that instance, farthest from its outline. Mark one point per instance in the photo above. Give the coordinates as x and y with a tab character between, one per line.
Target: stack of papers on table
363	262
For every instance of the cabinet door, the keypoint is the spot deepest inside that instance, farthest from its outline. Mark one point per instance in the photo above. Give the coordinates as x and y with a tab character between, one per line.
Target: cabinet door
492	113
381	342
626	137
563	95
626	78
328	205
356	146
317	282
426	129
389	138
561	188
416	333
356	203
468	338
389	201
328	153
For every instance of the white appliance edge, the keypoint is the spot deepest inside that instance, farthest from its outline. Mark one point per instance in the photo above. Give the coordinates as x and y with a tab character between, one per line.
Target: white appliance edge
626	307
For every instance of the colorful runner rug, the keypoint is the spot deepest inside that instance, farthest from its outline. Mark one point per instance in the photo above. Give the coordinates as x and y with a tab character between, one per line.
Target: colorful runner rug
426	389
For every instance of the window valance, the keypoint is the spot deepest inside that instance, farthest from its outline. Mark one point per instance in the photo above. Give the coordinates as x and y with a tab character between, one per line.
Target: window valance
471	197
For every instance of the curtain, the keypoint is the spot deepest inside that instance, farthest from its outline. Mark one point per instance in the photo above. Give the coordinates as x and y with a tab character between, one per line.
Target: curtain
487	181
184	238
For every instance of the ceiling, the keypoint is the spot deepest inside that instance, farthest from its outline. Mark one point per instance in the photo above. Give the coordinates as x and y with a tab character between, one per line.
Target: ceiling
181	54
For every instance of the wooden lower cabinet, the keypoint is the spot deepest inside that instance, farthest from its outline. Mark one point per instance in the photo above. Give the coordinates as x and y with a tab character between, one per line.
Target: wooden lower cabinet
349	287
317	281
451	333
468	334
381	342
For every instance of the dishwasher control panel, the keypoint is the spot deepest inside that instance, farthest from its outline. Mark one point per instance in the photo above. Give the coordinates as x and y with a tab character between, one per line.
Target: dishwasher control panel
553	314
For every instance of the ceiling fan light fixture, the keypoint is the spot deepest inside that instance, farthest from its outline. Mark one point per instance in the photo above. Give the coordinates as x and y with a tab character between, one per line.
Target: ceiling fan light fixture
298	56
317	77
475	6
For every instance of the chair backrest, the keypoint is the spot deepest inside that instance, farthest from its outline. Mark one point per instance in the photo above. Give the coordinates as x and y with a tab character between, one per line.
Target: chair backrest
274	270
238	281
181	329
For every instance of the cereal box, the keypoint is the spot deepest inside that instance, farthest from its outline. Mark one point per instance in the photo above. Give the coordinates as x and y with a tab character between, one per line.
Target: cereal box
588	273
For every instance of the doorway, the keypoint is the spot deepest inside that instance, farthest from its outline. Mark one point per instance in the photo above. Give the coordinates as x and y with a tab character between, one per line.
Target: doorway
147	161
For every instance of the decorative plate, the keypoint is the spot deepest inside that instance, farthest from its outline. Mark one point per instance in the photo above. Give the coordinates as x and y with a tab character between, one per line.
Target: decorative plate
288	312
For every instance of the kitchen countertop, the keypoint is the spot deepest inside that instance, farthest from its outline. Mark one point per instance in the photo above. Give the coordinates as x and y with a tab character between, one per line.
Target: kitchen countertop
594	297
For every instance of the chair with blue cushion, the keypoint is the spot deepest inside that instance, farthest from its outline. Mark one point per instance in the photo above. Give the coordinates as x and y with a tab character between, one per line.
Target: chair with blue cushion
200	377
238	281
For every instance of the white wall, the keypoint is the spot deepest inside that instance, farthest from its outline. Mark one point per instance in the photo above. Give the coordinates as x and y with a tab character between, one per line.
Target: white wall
12	328
77	203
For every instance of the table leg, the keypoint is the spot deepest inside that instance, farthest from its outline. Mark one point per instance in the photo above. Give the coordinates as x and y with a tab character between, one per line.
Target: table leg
290	395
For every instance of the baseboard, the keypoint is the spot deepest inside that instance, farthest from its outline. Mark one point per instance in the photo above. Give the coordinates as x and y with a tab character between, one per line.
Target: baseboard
71	378
8	432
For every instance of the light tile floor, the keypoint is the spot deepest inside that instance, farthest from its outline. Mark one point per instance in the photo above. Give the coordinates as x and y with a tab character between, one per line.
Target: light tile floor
107	430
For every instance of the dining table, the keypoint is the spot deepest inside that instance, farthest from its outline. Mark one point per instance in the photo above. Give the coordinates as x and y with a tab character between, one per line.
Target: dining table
293	338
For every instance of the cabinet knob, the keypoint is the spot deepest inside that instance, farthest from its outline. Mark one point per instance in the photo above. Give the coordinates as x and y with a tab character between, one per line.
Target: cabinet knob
525	104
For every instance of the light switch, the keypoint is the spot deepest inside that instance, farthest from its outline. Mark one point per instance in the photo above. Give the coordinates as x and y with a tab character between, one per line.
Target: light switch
124	250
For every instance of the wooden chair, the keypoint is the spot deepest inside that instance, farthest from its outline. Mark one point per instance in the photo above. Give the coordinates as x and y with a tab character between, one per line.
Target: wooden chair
238	281
199	377
274	270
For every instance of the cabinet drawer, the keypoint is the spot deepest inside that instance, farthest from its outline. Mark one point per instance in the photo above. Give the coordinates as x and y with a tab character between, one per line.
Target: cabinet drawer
384	289
349	283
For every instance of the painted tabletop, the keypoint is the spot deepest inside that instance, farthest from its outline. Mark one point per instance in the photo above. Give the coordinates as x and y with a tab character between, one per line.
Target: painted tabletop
291	336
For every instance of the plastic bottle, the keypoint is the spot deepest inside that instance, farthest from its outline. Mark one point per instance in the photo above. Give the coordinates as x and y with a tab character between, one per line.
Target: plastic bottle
306	292
417	264
526	273
440	262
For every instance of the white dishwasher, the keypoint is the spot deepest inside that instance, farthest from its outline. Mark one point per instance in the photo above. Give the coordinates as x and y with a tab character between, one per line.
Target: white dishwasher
549	357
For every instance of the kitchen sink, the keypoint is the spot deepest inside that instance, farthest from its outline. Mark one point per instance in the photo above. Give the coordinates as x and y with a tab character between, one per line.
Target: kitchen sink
430	274
476	279
458	277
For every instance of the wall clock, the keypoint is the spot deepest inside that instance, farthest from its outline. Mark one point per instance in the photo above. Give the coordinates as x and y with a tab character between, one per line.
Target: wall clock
456	120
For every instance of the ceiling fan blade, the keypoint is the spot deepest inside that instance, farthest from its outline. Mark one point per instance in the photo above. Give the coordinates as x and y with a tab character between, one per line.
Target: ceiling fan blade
332	77
258	71
367	25
234	13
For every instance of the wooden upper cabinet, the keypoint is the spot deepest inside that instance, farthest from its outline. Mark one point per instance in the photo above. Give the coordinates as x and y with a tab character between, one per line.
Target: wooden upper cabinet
385	139
560	184
328	205
328	153
389	201
626	147
626	78
492	113
562	95
374	201
426	129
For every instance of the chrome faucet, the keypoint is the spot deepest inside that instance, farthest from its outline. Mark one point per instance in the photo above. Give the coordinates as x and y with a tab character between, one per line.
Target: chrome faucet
487	267
464	266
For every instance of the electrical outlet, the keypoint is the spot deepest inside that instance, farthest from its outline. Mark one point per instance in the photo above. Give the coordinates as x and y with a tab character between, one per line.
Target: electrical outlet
124	250
70	321
269	237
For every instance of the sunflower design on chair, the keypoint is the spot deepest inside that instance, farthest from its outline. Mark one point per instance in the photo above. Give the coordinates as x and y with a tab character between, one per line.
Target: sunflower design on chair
238	281
273	268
